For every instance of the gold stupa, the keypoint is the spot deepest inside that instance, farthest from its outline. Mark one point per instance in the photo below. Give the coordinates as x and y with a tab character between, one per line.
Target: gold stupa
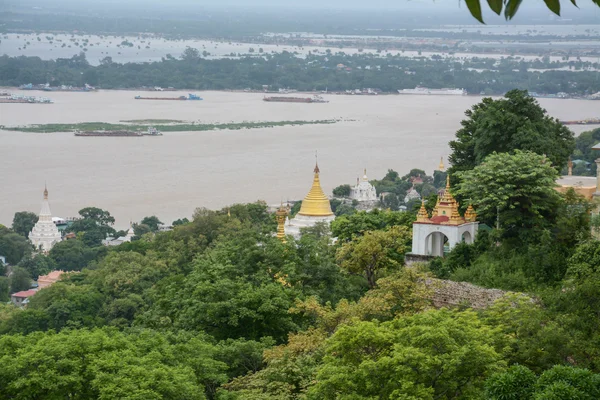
316	203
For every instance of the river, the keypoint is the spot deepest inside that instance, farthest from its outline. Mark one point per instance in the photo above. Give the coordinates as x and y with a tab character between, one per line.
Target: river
171	175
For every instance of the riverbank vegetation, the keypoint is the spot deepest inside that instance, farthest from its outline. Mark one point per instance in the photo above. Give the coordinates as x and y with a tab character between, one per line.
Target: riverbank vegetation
317	72
160	125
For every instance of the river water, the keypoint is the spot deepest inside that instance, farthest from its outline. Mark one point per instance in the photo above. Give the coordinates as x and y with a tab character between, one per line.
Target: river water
171	175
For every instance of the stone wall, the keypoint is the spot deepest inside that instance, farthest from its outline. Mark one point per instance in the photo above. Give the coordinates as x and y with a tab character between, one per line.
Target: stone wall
452	294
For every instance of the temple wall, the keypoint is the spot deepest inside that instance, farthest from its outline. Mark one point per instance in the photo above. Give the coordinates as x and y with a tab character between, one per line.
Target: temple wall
453	294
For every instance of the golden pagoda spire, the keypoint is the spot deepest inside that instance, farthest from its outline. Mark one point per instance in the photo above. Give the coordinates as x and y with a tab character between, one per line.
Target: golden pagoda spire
447	196
441	167
455	217
470	214
45	191
281	215
316	203
422	215
435	209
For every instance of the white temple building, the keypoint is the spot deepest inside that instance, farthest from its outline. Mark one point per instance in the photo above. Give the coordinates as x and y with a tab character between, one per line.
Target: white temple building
111	241
315	208
45	234
435	235
412	194
363	191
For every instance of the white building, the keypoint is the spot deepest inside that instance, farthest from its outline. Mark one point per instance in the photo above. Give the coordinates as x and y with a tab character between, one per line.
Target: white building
111	241
315	208
445	229
412	194
363	191
45	234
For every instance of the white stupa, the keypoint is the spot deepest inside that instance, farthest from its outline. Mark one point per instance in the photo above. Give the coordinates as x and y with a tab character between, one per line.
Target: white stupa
363	191
45	234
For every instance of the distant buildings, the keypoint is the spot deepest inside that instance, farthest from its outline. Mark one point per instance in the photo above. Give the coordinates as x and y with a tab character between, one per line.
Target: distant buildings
363	191
110	241
45	234
20	299
47	280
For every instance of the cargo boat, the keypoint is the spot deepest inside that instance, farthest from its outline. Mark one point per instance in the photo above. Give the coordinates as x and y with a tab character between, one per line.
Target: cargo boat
189	97
281	99
120	133
427	91
589	121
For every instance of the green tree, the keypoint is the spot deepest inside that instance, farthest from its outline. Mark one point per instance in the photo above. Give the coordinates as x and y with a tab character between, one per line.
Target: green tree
74	255
515	190
19	280
94	222
342	191
348	226
180	221
107	364
374	252
432	355
4	289
36	265
515	122
14	246
558	383
23	222
140	230
153	222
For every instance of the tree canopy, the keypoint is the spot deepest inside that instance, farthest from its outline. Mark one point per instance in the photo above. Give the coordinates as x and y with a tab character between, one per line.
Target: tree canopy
515	122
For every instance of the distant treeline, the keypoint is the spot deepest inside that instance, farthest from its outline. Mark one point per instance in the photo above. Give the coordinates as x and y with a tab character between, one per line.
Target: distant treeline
334	72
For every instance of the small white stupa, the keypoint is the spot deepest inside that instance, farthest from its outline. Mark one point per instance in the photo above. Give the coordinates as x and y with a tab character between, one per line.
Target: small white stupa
45	234
363	191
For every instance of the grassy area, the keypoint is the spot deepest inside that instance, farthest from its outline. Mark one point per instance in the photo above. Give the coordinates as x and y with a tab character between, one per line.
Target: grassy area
177	127
152	121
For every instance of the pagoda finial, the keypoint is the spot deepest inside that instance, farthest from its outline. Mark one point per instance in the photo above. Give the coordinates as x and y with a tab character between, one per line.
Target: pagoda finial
316	163
448	182
441	167
281	215
470	214
422	215
45	191
454	214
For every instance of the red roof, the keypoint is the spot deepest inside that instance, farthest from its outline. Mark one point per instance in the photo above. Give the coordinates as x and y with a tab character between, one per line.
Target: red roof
25	293
438	219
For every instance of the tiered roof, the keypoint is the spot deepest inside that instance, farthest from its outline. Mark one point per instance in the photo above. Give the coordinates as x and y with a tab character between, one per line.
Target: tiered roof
446	211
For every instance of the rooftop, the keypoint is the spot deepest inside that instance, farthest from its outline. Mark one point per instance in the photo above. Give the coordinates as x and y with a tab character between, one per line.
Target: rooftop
25	293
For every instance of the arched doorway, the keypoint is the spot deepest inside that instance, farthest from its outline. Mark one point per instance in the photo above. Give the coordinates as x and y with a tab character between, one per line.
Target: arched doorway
467	238
435	244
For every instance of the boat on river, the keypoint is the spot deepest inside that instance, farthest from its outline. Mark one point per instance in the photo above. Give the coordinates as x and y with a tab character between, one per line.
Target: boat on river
189	97
287	99
426	91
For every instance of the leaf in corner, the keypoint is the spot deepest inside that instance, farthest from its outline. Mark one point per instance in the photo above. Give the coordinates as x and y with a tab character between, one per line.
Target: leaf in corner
553	5
475	8
574	3
496	5
511	8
